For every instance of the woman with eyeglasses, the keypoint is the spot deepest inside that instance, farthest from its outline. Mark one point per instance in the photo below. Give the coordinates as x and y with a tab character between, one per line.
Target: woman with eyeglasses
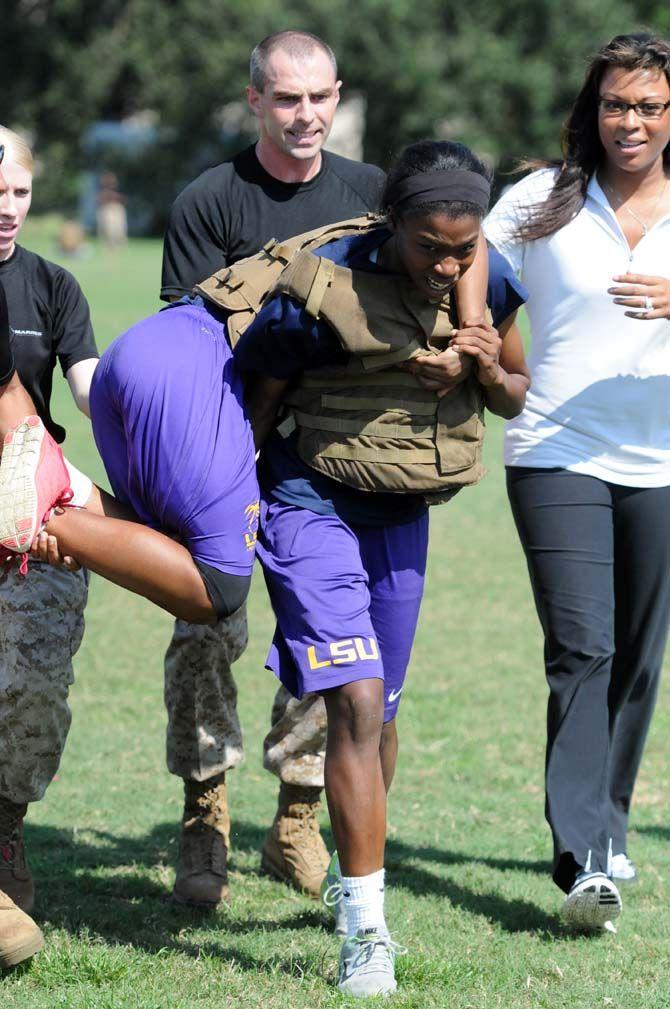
588	460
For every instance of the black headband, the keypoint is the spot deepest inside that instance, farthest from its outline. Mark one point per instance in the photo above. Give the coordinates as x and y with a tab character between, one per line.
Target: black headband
441	186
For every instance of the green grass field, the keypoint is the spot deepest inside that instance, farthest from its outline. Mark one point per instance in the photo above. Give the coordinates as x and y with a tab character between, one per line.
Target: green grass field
467	857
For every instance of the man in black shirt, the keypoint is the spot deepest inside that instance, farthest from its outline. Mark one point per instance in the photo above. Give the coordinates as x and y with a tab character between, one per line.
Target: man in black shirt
230	211
280	187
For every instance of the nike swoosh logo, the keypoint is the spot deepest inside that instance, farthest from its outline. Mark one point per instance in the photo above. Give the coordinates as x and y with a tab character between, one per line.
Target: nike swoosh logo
394	695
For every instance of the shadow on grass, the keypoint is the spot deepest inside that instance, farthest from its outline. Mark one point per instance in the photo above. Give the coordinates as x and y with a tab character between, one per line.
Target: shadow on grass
398	851
654	830
512	915
132	907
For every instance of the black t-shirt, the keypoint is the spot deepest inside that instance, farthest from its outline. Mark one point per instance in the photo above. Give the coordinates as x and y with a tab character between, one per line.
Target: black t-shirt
231	211
49	322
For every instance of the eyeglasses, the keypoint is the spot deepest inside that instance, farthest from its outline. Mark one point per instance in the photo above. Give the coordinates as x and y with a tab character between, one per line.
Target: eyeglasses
645	110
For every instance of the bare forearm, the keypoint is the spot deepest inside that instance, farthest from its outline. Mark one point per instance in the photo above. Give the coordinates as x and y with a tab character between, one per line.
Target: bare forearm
79	379
507	397
472	288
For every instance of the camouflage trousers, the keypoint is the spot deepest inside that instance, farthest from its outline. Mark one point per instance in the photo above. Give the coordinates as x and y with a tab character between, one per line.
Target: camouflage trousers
204	736
41	627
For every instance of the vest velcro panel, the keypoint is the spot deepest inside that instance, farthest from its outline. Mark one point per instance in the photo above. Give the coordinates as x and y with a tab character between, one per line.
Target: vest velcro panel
397	437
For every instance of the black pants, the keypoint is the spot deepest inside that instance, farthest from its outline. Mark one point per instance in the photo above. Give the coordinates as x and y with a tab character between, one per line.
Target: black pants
6	356
599	561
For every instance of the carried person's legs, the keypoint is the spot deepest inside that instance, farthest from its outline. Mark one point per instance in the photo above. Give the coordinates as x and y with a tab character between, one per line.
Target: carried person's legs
137	558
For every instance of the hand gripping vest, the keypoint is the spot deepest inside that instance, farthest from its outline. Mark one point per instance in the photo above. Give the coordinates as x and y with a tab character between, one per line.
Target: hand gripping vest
368	424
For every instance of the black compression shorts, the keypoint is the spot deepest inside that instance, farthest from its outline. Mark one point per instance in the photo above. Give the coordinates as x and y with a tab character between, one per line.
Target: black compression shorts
227	592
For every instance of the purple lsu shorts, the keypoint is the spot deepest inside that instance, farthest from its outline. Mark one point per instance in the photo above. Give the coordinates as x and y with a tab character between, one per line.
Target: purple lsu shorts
169	423
346	598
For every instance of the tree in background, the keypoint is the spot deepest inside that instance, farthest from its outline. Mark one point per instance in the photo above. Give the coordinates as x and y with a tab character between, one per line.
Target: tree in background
498	77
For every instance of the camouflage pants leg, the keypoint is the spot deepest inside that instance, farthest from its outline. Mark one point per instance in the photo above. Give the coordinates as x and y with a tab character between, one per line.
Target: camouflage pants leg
41	627
203	735
295	747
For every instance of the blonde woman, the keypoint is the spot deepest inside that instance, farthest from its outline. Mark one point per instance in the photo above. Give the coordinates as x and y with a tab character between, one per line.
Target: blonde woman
41	617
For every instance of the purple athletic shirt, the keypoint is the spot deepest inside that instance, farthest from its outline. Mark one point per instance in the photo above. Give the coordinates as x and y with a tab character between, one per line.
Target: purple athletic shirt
169	422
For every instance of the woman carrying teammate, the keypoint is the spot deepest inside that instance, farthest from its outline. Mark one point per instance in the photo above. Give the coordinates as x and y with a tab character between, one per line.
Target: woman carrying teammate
589	458
345	567
344	535
44	321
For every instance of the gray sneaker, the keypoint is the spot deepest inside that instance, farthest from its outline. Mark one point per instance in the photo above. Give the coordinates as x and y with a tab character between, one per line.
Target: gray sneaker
367	964
331	895
592	904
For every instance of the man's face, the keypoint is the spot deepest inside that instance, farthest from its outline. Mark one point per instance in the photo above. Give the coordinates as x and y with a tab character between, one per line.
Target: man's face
296	108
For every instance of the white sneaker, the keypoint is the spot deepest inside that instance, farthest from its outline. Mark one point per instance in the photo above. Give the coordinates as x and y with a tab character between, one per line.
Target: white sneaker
622	869
332	897
367	964
592	904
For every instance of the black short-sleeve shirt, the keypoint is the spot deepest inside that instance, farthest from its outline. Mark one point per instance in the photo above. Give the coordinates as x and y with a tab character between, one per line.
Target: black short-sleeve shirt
231	211
49	322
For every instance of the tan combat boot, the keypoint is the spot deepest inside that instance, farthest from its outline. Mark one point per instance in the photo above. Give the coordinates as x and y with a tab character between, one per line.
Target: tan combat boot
294	849
20	937
202	875
15	878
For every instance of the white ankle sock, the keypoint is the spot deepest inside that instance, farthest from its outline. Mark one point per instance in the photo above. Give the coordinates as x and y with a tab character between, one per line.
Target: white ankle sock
364	902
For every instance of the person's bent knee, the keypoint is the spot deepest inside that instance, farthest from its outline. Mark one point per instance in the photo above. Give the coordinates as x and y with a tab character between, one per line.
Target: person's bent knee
357	709
226	592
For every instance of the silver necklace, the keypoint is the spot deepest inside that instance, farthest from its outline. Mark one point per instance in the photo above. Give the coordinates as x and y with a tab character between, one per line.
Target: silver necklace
643	224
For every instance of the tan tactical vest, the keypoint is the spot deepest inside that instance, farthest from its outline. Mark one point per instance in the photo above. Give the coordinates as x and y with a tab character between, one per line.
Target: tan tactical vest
368	424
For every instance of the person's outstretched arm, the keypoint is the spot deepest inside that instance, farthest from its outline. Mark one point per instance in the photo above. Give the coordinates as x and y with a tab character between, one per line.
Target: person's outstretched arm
472	287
